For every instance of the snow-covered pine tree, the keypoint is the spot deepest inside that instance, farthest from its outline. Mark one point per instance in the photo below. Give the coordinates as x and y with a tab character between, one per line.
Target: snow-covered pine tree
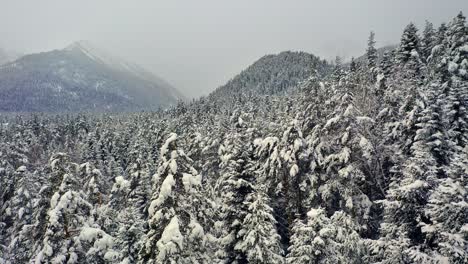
371	56
101	235
122	220
128	237
454	66
440	34
457	52
342	153
88	148
68	213
324	240
409	73
260	239
10	182
237	182
387	62
401	236
384	72
411	68
353	64
140	186
270	175
428	40
268	153
447	232
175	235
294	183
338	72
97	245
404	96
22	205
93	183
409	44
303	243
52	173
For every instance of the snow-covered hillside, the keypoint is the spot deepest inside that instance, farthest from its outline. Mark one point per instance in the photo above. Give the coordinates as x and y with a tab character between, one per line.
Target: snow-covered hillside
275	74
80	78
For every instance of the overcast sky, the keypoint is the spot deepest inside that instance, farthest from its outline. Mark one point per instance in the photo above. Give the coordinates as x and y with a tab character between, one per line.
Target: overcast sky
199	45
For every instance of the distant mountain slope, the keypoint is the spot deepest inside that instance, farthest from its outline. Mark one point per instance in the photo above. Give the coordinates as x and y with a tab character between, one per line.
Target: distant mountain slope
274	74
80	78
380	53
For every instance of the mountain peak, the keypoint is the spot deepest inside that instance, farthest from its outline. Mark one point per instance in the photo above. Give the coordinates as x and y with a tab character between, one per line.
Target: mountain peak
93	52
81	77
274	74
78	44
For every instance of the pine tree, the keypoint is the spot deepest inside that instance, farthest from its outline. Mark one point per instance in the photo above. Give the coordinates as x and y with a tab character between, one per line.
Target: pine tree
454	68
457	54
267	150
123	221
371	55
22	203
175	235
441	31
401	236
325	240
405	95
96	244
446	232
428	40
294	185
409	44
68	213
342	146
270	174
128	236
93	183
53	173
306	242
384	73
236	184
353	65
140	184
261	241
411	71
338	73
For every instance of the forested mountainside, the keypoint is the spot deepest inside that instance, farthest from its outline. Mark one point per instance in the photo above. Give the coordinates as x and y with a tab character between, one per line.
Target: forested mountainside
80	78
380	52
364	165
274	74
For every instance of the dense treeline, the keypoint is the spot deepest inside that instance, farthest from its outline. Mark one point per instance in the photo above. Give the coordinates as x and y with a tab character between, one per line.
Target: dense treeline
367	164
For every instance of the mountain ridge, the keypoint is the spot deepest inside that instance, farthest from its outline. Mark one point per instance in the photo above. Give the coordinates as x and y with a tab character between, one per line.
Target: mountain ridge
80	78
274	74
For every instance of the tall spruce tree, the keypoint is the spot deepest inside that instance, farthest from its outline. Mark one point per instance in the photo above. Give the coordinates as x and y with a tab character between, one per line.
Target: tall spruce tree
371	56
237	183
175	234
428	40
321	239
